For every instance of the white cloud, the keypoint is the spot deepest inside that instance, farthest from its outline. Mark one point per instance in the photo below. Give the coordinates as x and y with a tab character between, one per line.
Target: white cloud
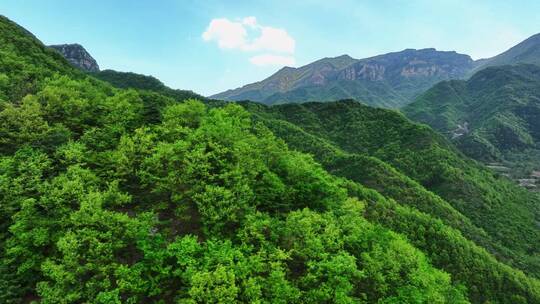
273	39
249	36
270	59
228	34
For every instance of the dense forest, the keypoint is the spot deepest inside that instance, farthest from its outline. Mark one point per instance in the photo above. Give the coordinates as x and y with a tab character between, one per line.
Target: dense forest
129	80
423	171
121	190
498	110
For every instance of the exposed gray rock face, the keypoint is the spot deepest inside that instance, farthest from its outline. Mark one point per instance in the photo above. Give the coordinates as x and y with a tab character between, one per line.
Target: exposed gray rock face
77	56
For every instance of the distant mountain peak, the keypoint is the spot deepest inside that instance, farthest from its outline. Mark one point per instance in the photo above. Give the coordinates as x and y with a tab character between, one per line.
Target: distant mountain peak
340	57
77	55
285	69
388	80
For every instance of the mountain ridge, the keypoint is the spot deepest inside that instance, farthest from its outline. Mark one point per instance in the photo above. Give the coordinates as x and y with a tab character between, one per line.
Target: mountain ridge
500	106
390	80
399	73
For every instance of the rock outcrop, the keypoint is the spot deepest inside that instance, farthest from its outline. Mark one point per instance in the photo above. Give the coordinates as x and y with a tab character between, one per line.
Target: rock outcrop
77	56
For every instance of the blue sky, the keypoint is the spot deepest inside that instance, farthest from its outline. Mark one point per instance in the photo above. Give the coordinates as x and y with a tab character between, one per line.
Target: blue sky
211	46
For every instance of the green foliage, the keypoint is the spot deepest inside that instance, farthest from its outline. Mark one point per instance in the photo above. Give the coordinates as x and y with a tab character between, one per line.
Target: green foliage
420	154
499	104
128	80
486	278
416	168
235	217
180	209
24	62
22	125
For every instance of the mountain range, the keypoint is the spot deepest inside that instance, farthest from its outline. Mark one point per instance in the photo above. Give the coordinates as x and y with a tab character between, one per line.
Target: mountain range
391	80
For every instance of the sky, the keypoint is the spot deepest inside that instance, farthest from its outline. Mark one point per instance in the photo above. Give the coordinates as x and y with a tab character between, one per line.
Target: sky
211	46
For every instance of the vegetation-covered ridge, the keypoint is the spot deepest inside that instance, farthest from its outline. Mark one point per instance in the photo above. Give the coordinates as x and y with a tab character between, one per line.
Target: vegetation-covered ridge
427	158
129	80
204	206
492	117
419	169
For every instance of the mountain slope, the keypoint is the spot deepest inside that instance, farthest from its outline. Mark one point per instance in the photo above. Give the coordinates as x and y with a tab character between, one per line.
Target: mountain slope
19	71
289	78
129	80
389	80
352	141
501	107
81	59
427	158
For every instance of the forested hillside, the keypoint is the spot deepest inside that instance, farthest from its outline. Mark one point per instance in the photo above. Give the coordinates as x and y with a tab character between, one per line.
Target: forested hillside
112	195
498	106
130	80
411	164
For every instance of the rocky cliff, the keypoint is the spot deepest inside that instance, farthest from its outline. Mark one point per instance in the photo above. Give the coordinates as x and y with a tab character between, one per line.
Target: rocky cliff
77	56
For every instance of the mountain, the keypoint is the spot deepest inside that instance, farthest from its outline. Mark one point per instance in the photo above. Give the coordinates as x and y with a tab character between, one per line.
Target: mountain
77	56
390	80
493	117
111	195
